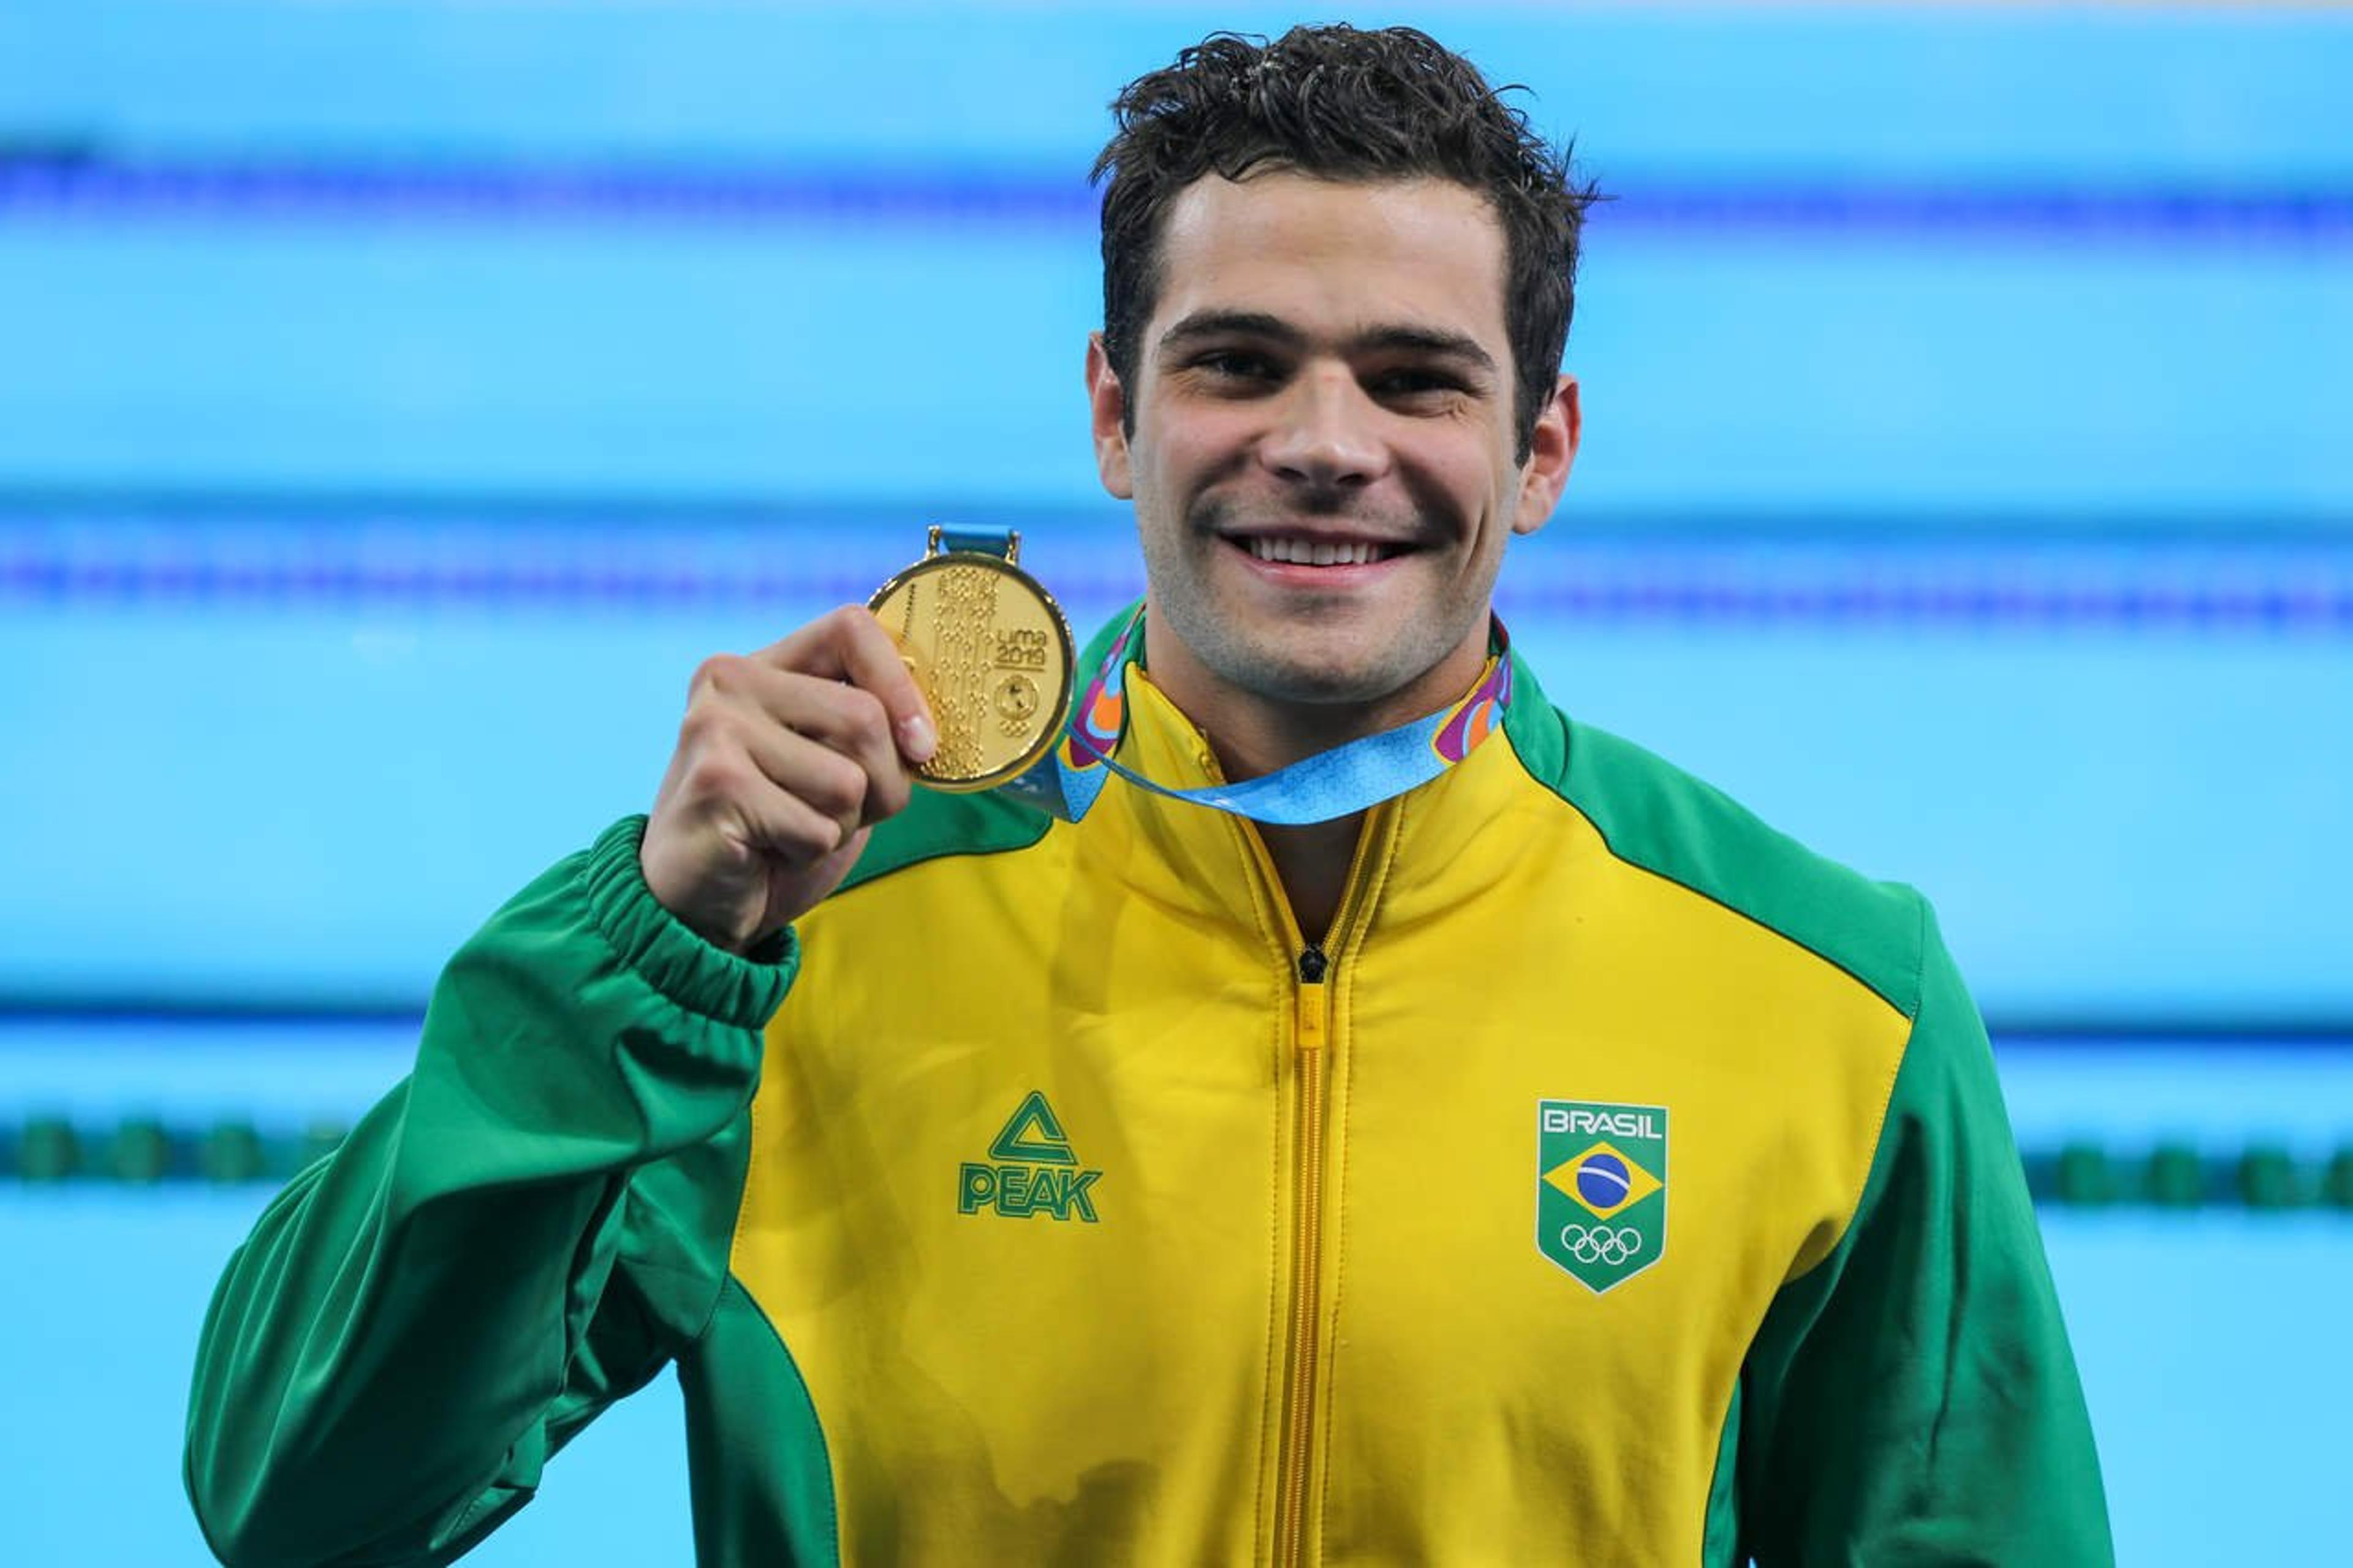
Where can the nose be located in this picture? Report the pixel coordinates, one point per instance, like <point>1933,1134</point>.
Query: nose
<point>1325,432</point>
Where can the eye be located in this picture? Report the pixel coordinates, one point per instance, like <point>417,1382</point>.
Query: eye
<point>1237,365</point>
<point>1415,382</point>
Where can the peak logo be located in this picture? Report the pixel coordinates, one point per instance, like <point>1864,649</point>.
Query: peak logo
<point>1032,1169</point>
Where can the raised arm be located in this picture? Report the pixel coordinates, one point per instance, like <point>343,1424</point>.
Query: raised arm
<point>418,1320</point>
<point>538,1217</point>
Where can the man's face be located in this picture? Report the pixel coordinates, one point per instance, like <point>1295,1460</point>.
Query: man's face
<point>1322,456</point>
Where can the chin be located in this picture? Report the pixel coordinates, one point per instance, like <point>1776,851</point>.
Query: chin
<point>1307,679</point>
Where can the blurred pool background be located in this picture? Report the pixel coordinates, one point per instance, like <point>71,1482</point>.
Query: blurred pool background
<point>396,401</point>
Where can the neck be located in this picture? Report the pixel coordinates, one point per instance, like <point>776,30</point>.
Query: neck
<point>1252,734</point>
<point>1312,862</point>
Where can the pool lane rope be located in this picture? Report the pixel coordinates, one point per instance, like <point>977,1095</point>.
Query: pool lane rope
<point>52,1150</point>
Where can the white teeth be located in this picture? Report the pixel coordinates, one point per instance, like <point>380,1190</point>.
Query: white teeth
<point>1316,552</point>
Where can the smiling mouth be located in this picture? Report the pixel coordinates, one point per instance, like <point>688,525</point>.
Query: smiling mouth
<point>1318,551</point>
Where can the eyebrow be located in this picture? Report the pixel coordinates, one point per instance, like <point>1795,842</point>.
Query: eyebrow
<point>1393,336</point>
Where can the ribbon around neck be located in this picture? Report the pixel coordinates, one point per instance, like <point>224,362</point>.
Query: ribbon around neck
<point>1338,782</point>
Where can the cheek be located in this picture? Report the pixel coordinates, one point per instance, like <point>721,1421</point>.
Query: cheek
<point>1483,495</point>
<point>1466,460</point>
<point>1197,439</point>
<point>1189,461</point>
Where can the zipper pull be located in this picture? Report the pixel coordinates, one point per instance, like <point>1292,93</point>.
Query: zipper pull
<point>1312,965</point>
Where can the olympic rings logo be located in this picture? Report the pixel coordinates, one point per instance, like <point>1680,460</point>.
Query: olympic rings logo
<point>1600,1244</point>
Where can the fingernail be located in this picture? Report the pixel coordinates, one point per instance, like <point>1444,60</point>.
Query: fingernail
<point>917,739</point>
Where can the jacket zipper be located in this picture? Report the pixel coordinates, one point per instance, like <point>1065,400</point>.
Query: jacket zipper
<point>1311,969</point>
<point>1307,1255</point>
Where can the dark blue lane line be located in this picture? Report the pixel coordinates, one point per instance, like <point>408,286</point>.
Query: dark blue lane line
<point>23,1015</point>
<point>671,513</point>
<point>2025,1034</point>
<point>39,185</point>
<point>2280,217</point>
<point>756,198</point>
<point>373,556</point>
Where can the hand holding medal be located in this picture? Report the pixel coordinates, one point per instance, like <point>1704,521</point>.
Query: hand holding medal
<point>785,759</point>
<point>957,676</point>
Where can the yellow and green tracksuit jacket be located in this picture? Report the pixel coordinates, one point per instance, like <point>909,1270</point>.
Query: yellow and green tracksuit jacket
<point>1618,1182</point>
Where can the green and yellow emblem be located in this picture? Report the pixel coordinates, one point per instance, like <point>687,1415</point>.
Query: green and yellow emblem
<point>1601,1188</point>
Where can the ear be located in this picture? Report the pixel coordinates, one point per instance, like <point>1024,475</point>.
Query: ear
<point>1107,409</point>
<point>1550,455</point>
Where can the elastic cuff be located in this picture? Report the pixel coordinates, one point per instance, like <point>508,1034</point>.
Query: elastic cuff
<point>741,990</point>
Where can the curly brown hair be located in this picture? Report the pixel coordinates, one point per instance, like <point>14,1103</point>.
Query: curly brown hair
<point>1342,103</point>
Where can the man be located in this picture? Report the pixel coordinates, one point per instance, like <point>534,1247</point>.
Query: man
<point>1548,1163</point>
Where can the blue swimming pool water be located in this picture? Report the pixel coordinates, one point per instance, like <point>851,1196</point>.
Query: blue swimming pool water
<point>1964,488</point>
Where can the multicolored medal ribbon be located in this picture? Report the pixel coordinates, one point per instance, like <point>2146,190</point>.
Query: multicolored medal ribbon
<point>1067,781</point>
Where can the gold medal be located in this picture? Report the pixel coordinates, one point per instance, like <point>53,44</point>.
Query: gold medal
<point>992,654</point>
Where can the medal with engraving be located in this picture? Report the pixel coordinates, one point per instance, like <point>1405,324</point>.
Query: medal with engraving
<point>991,652</point>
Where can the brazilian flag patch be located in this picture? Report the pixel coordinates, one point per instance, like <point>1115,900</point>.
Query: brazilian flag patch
<point>1601,1188</point>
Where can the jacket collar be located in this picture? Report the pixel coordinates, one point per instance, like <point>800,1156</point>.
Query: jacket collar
<point>1446,841</point>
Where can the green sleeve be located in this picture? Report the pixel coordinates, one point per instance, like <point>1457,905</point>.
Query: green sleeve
<point>522,1232</point>
<point>1913,1398</point>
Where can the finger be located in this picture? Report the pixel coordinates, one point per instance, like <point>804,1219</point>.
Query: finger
<point>849,644</point>
<point>845,721</point>
<point>775,819</point>
<point>737,699</point>
<point>742,705</point>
